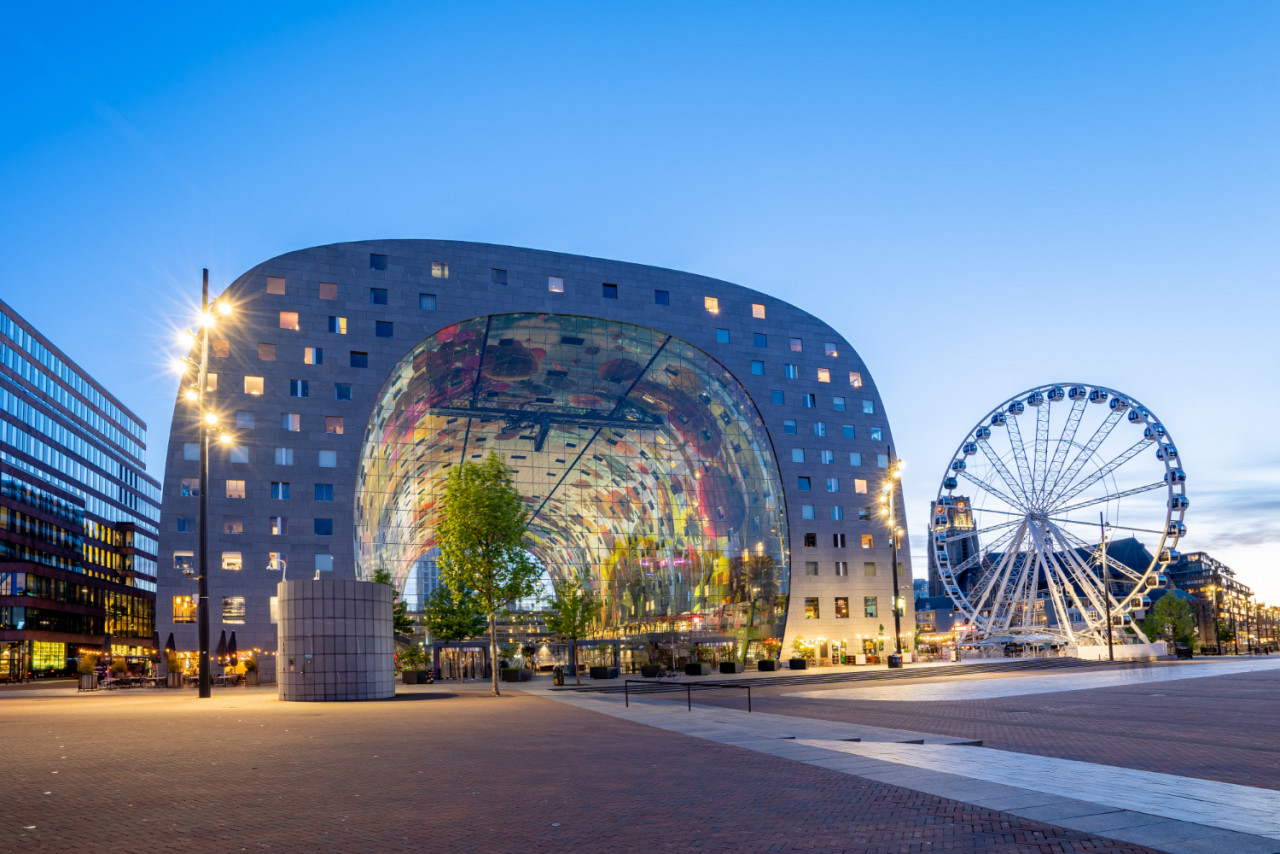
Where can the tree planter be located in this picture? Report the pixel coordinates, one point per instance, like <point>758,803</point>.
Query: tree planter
<point>767,664</point>
<point>515,674</point>
<point>697,668</point>
<point>604,672</point>
<point>413,677</point>
<point>251,678</point>
<point>732,667</point>
<point>799,664</point>
<point>88,681</point>
<point>173,680</point>
<point>650,670</point>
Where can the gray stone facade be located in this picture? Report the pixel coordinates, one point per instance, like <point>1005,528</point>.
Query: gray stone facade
<point>430,285</point>
<point>335,641</point>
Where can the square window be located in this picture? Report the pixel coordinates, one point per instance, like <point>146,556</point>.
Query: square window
<point>796,345</point>
<point>837,403</point>
<point>775,397</point>
<point>189,487</point>
<point>498,277</point>
<point>819,428</point>
<point>253,385</point>
<point>191,451</point>
<point>868,541</point>
<point>439,270</point>
<point>235,489</point>
<point>869,606</point>
<point>377,262</point>
<point>378,296</point>
<point>824,375</point>
<point>279,491</point>
<point>555,284</point>
<point>855,458</point>
<point>186,524</point>
<point>757,311</point>
<point>757,368</point>
<point>289,320</point>
<point>838,542</point>
<point>790,371</point>
<point>810,401</point>
<point>788,426</point>
<point>221,347</point>
<point>291,421</point>
<point>797,455</point>
<point>864,514</point>
<point>842,607</point>
<point>868,407</point>
<point>860,486</point>
<point>267,352</point>
<point>275,285</point>
<point>810,567</point>
<point>324,527</point>
<point>324,492</point>
<point>299,388</point>
<point>278,525</point>
<point>722,336</point>
<point>806,511</point>
<point>877,435</point>
<point>828,457</point>
<point>277,561</point>
<point>238,454</point>
<point>233,610</point>
<point>810,541</point>
<point>711,304</point>
<point>333,424</point>
<point>245,420</point>
<point>338,325</point>
<point>869,568</point>
<point>233,524</point>
<point>427,302</point>
<point>284,456</point>
<point>760,339</point>
<point>833,484</point>
<point>324,563</point>
<point>328,290</point>
<point>210,382</point>
<point>662,297</point>
<point>184,609</point>
<point>312,356</point>
<point>384,328</point>
<point>882,461</point>
<point>829,348</point>
<point>803,484</point>
<point>328,459</point>
<point>855,379</point>
<point>359,359</point>
<point>847,431</point>
<point>810,608</point>
<point>342,391</point>
<point>184,561</point>
<point>609,291</point>
<point>232,561</point>
<point>837,514</point>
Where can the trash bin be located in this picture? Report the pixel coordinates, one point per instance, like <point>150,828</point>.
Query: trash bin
<point>895,660</point>
<point>557,675</point>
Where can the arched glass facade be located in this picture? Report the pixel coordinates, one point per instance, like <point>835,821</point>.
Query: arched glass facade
<point>646,469</point>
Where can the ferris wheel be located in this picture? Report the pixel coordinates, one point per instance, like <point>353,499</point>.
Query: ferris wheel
<point>1030,534</point>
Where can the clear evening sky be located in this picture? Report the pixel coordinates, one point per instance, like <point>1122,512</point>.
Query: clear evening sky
<point>982,197</point>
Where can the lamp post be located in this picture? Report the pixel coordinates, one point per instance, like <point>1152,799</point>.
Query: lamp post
<point>889,509</point>
<point>1106,588</point>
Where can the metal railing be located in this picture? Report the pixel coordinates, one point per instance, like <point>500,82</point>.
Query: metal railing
<point>671,687</point>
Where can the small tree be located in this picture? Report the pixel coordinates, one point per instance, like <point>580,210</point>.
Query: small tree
<point>1172,617</point>
<point>481,539</point>
<point>401,623</point>
<point>448,617</point>
<point>570,617</point>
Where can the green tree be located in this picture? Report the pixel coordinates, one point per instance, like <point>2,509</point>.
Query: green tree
<point>1172,617</point>
<point>570,617</point>
<point>401,623</point>
<point>1226,634</point>
<point>448,617</point>
<point>481,539</point>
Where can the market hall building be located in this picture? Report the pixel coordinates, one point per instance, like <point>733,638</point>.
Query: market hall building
<point>707,458</point>
<point>78,514</point>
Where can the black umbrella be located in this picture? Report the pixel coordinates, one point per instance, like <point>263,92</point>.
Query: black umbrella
<point>106,645</point>
<point>155,647</point>
<point>222,646</point>
<point>231,648</point>
<point>169,645</point>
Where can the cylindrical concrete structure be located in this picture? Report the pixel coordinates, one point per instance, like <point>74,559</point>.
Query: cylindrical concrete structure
<point>335,640</point>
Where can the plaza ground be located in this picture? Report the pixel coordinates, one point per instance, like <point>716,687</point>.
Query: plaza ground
<point>446,768</point>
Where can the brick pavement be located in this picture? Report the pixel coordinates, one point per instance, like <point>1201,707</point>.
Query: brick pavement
<point>1221,728</point>
<point>441,771</point>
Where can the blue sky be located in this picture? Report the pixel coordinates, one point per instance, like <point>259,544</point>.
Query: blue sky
<point>982,197</point>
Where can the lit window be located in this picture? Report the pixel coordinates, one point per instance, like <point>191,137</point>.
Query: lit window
<point>824,375</point>
<point>342,391</point>
<point>830,349</point>
<point>312,356</point>
<point>757,311</point>
<point>324,492</point>
<point>555,284</point>
<point>869,568</point>
<point>328,459</point>
<point>868,407</point>
<point>810,567</point>
<point>837,403</point>
<point>324,563</point>
<point>439,270</point>
<point>328,290</point>
<point>324,527</point>
<point>855,458</point>
<point>802,484</point>
<point>788,426</point>
<point>233,609</point>
<point>796,345</point>
<point>232,561</point>
<point>662,297</point>
<point>711,304</point>
<point>191,451</point>
<point>427,302</point>
<point>722,336</point>
<point>277,561</point>
<point>299,388</point>
<point>184,609</point>
<point>837,514</point>
<point>359,359</point>
<point>289,320</point>
<point>776,398</point>
<point>877,435</point>
<point>833,484</point>
<point>333,424</point>
<point>338,325</point>
<point>759,339</point>
<point>384,328</point>
<point>253,385</point>
<point>810,401</point>
<point>377,262</point>
<point>790,371</point>
<point>238,454</point>
<point>855,379</point>
<point>244,420</point>
<point>842,607</point>
<point>184,561</point>
<point>190,486</point>
<point>811,608</point>
<point>235,489</point>
<point>377,296</point>
<point>797,455</point>
<point>267,352</point>
<point>882,461</point>
<point>609,291</point>
<point>221,347</point>
<point>233,524</point>
<point>278,525</point>
<point>828,457</point>
<point>806,511</point>
<point>210,382</point>
<point>273,609</point>
<point>275,285</point>
<point>757,368</point>
<point>869,606</point>
<point>859,486</point>
<point>819,428</point>
<point>284,456</point>
<point>291,421</point>
<point>279,491</point>
<point>868,541</point>
<point>498,277</point>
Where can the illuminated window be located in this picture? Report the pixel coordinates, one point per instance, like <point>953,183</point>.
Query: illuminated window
<point>842,607</point>
<point>275,285</point>
<point>855,379</point>
<point>868,407</point>
<point>299,388</point>
<point>859,485</point>
<point>289,320</point>
<point>377,262</point>
<point>796,345</point>
<point>190,486</point>
<point>830,349</point>
<point>184,609</point>
<point>790,371</point>
<point>797,455</point>
<point>868,541</point>
<point>811,608</point>
<point>253,385</point>
<point>333,424</point>
<point>427,302</point>
<point>233,524</point>
<point>210,382</point>
<point>869,568</point>
<point>439,270</point>
<point>869,606</point>
<point>233,609</point>
<point>810,567</point>
<point>609,291</point>
<point>328,459</point>
<point>312,356</point>
<point>377,296</point>
<point>338,325</point>
<point>328,290</point>
<point>824,375</point>
<point>232,561</point>
<point>291,421</point>
<point>244,420</point>
<point>278,525</point>
<point>279,490</point>
<point>711,304</point>
<point>184,561</point>
<point>267,352</point>
<point>221,347</point>
<point>555,284</point>
<point>277,561</point>
<point>757,311</point>
<point>235,489</point>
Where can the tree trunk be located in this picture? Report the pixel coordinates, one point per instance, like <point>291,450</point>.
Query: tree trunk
<point>577,671</point>
<point>493,649</point>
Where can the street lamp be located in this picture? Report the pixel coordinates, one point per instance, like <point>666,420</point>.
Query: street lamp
<point>207,420</point>
<point>889,509</point>
<point>1106,587</point>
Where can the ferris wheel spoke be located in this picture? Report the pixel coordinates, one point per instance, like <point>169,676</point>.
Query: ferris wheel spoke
<point>1086,453</point>
<point>986,487</point>
<point>1065,441</point>
<point>1079,573</point>
<point>951,573</point>
<point>1095,554</point>
<point>1111,496</point>
<point>1106,469</point>
<point>1094,525</point>
<point>1039,470</point>
<point>996,578</point>
<point>1026,481</point>
<point>977,532</point>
